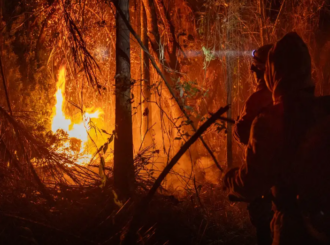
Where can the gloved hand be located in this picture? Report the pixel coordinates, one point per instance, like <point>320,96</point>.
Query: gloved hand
<point>227,183</point>
<point>228,178</point>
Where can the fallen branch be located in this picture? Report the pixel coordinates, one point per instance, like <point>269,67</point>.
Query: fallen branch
<point>142,207</point>
<point>153,62</point>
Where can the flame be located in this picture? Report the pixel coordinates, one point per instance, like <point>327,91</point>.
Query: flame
<point>75,128</point>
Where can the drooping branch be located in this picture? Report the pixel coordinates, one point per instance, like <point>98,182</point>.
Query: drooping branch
<point>40,185</point>
<point>81,55</point>
<point>9,157</point>
<point>42,34</point>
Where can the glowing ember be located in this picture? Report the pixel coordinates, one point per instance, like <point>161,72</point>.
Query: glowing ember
<point>78,130</point>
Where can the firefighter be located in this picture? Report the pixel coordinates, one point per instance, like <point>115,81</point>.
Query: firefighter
<point>274,139</point>
<point>259,100</point>
<point>260,210</point>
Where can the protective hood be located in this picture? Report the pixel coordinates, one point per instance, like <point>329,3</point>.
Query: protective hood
<point>288,67</point>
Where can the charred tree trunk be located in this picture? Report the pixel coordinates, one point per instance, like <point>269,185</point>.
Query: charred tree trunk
<point>123,143</point>
<point>145,76</point>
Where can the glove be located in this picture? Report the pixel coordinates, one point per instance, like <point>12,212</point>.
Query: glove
<point>228,178</point>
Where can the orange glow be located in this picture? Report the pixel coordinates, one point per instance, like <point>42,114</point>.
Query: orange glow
<point>77,128</point>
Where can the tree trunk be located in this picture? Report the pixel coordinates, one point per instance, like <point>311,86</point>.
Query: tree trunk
<point>261,12</point>
<point>154,39</point>
<point>152,29</point>
<point>145,76</point>
<point>169,30</point>
<point>229,63</point>
<point>229,113</point>
<point>123,144</point>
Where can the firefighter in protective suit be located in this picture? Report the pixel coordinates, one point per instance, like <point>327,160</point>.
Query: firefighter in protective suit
<point>260,210</point>
<point>258,101</point>
<point>274,141</point>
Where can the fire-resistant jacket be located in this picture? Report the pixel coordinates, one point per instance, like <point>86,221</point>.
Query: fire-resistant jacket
<point>274,138</point>
<point>257,102</point>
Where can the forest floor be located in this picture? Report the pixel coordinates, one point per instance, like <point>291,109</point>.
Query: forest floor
<point>91,216</point>
<point>89,212</point>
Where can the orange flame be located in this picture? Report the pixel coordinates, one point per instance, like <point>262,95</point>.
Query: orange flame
<point>74,129</point>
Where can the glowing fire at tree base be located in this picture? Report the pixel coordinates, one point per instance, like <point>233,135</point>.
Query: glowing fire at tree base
<point>75,129</point>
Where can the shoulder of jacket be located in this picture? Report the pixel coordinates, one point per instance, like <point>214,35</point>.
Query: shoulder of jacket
<point>259,95</point>
<point>269,116</point>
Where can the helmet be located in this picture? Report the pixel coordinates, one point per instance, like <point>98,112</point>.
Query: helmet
<point>260,57</point>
